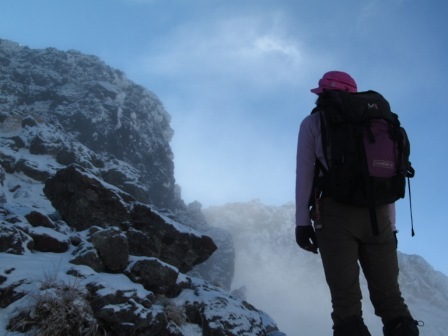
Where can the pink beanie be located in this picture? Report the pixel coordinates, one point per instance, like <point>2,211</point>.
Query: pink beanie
<point>336,80</point>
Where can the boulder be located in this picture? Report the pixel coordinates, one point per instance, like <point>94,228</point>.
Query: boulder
<point>156,276</point>
<point>177,244</point>
<point>13,240</point>
<point>123,313</point>
<point>88,256</point>
<point>36,218</point>
<point>48,240</point>
<point>85,201</point>
<point>113,248</point>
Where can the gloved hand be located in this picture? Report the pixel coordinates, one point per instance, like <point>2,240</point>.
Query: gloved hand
<point>396,238</point>
<point>306,238</point>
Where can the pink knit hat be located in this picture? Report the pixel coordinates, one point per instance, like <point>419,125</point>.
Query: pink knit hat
<point>336,80</point>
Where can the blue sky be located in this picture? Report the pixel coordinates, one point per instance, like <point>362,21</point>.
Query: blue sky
<point>235,77</point>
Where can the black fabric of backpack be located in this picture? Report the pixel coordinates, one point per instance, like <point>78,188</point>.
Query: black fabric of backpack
<point>358,131</point>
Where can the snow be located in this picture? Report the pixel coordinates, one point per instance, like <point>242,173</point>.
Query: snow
<point>48,232</point>
<point>39,268</point>
<point>134,259</point>
<point>191,329</point>
<point>27,197</point>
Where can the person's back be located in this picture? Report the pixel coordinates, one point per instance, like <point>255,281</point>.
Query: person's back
<point>345,239</point>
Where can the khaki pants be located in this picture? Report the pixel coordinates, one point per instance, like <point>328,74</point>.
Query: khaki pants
<point>345,242</point>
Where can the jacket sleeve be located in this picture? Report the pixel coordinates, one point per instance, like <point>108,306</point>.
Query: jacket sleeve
<point>307,145</point>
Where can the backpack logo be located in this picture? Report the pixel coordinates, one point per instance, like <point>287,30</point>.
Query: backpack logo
<point>383,164</point>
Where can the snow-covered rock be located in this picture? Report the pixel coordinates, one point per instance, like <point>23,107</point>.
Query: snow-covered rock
<point>93,104</point>
<point>93,229</point>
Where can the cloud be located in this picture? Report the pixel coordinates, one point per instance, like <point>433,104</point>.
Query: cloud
<point>227,81</point>
<point>232,158</point>
<point>248,49</point>
<point>368,11</point>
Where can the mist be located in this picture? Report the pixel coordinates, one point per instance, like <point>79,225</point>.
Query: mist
<point>288,283</point>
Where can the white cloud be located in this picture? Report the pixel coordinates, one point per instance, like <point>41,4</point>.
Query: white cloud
<point>225,81</point>
<point>232,158</point>
<point>271,44</point>
<point>246,49</point>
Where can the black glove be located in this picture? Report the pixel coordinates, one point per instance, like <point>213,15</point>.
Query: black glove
<point>306,238</point>
<point>396,238</point>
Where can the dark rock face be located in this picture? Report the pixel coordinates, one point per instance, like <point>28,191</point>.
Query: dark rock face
<point>96,104</point>
<point>84,201</point>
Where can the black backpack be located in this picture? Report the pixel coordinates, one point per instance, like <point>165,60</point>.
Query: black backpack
<point>365,149</point>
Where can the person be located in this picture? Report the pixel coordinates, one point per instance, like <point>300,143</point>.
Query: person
<point>345,239</point>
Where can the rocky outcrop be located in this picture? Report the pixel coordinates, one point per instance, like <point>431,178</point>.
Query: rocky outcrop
<point>98,106</point>
<point>93,230</point>
<point>83,201</point>
<point>150,293</point>
<point>37,141</point>
<point>148,296</point>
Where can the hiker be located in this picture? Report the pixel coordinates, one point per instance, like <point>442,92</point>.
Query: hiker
<point>343,233</point>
